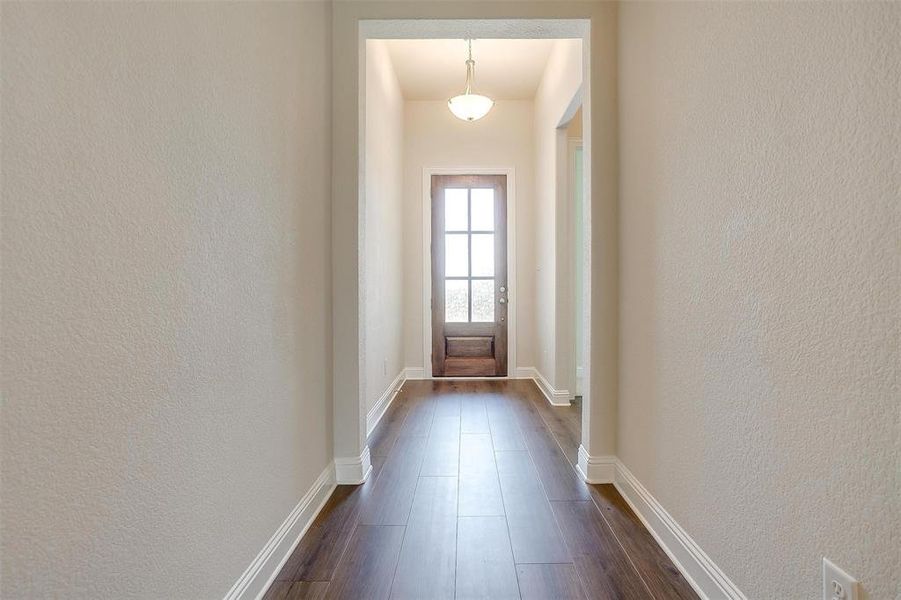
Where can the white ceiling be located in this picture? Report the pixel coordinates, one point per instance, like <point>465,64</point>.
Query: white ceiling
<point>436,69</point>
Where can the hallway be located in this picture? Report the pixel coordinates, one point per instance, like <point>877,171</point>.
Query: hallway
<point>473,495</point>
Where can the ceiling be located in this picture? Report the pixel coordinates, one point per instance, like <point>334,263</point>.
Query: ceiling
<point>436,69</point>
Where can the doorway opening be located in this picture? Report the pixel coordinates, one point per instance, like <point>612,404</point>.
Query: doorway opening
<point>439,234</point>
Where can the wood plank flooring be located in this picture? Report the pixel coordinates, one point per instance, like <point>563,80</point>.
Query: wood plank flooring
<point>473,495</point>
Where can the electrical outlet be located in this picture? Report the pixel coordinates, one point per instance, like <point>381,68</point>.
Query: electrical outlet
<point>837,585</point>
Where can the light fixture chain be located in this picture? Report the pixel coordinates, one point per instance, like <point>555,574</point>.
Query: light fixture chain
<point>470,68</point>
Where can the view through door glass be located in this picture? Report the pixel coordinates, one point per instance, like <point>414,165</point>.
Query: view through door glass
<point>469,269</point>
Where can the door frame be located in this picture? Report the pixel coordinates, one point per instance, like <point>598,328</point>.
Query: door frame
<point>595,24</point>
<point>512,288</point>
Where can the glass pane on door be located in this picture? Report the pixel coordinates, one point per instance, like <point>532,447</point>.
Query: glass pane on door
<point>456,210</point>
<point>483,255</point>
<point>482,300</point>
<point>456,255</point>
<point>482,209</point>
<point>456,300</point>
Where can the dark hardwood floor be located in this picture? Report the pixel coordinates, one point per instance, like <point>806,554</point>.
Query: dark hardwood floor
<point>473,495</point>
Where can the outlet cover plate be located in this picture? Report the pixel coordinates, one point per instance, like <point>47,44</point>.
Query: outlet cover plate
<point>837,585</point>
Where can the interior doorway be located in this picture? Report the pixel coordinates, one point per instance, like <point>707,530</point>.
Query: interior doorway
<point>402,98</point>
<point>469,275</point>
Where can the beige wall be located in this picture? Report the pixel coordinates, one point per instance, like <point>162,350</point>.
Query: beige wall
<point>760,283</point>
<point>165,276</point>
<point>433,137</point>
<point>554,343</point>
<point>383,339</point>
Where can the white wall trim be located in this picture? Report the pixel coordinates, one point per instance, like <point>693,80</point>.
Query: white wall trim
<point>707,579</point>
<point>257,578</point>
<point>595,469</point>
<point>554,396</point>
<point>427,173</point>
<point>353,470</point>
<point>376,413</point>
<point>518,28</point>
<point>581,324</point>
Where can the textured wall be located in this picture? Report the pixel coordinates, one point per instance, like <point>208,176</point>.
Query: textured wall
<point>383,339</point>
<point>433,137</point>
<point>760,283</point>
<point>165,280</point>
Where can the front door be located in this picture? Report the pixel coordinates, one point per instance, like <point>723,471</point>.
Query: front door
<point>469,275</point>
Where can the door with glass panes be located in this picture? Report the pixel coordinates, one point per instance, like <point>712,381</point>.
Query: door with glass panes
<point>469,276</point>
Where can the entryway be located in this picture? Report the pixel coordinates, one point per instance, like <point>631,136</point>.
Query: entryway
<point>449,313</point>
<point>469,275</point>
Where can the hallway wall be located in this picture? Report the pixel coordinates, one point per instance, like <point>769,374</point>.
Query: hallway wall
<point>166,281</point>
<point>760,275</point>
<point>383,340</point>
<point>433,137</point>
<point>554,341</point>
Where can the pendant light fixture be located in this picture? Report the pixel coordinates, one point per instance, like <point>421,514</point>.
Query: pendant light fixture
<point>468,106</point>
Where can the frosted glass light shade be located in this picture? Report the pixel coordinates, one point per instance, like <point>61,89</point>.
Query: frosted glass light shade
<point>470,107</point>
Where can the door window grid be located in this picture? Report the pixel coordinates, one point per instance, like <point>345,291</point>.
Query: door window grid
<point>453,196</point>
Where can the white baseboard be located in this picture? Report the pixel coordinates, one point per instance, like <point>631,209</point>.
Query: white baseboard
<point>378,410</point>
<point>257,578</point>
<point>353,470</point>
<point>707,579</point>
<point>596,469</point>
<point>555,397</point>
<point>414,373</point>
